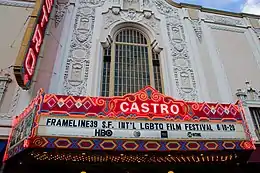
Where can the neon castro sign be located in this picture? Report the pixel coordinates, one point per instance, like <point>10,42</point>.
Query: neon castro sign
<point>152,107</point>
<point>26,60</point>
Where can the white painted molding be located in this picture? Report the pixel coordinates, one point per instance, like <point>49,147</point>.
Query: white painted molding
<point>254,44</point>
<point>56,85</point>
<point>218,67</point>
<point>224,20</point>
<point>17,3</point>
<point>194,45</point>
<point>250,122</point>
<point>4,131</point>
<point>227,28</point>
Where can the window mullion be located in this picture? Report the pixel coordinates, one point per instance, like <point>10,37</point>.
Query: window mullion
<point>112,71</point>
<point>152,83</point>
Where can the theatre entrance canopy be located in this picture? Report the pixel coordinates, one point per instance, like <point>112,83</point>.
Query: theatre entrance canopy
<point>142,127</point>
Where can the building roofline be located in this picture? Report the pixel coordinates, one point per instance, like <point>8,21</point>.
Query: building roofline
<point>211,10</point>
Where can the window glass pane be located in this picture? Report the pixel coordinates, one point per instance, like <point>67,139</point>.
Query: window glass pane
<point>255,113</point>
<point>106,72</point>
<point>131,64</point>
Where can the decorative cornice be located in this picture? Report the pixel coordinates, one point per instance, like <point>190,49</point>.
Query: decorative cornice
<point>17,3</point>
<point>196,24</point>
<point>248,93</point>
<point>224,20</point>
<point>209,10</point>
<point>226,28</point>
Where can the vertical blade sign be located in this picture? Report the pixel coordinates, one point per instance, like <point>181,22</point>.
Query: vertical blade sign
<point>26,61</point>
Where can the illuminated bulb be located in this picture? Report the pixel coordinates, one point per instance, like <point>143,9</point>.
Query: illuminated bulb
<point>83,172</point>
<point>170,172</point>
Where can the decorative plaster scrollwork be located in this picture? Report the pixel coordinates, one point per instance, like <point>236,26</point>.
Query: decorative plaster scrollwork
<point>146,18</point>
<point>183,72</point>
<point>196,24</point>
<point>225,28</point>
<point>131,4</point>
<point>14,102</point>
<point>60,12</point>
<point>77,65</point>
<point>147,4</point>
<point>110,18</point>
<point>153,23</point>
<point>248,93</point>
<point>224,20</point>
<point>115,1</point>
<point>91,3</point>
<point>131,15</point>
<point>4,80</point>
<point>257,31</point>
<point>164,8</point>
<point>17,3</point>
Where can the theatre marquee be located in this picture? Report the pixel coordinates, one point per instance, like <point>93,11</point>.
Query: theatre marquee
<point>142,121</point>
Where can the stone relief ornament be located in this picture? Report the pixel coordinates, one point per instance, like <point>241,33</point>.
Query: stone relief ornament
<point>110,18</point>
<point>224,20</point>
<point>183,72</point>
<point>131,15</point>
<point>230,29</point>
<point>257,31</point>
<point>131,4</point>
<point>60,12</point>
<point>147,4</point>
<point>77,65</point>
<point>91,3</point>
<point>196,24</point>
<point>147,18</point>
<point>153,23</point>
<point>14,102</point>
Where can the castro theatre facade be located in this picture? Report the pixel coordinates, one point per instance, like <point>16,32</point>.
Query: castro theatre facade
<point>134,86</point>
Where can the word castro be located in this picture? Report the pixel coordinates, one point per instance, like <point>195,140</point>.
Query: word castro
<point>149,108</point>
<point>36,42</point>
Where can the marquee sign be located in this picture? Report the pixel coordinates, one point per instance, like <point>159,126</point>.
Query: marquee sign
<point>146,114</point>
<point>27,58</point>
<point>143,121</point>
<point>144,130</point>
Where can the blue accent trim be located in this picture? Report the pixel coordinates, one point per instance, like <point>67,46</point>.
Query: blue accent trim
<point>2,145</point>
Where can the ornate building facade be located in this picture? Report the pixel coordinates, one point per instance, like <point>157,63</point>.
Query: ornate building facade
<point>114,47</point>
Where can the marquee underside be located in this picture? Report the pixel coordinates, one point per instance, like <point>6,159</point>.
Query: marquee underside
<point>47,156</point>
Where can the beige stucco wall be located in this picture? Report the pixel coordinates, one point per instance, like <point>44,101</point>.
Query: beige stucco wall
<point>13,24</point>
<point>237,56</point>
<point>49,50</point>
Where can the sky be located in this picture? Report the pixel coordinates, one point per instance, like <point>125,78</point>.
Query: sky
<point>245,6</point>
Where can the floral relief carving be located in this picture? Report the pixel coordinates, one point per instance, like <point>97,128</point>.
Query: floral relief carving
<point>147,4</point>
<point>131,15</point>
<point>109,18</point>
<point>224,28</point>
<point>182,67</point>
<point>257,31</point>
<point>60,12</point>
<point>224,20</point>
<point>153,22</point>
<point>196,24</point>
<point>131,4</point>
<point>77,65</point>
<point>14,102</point>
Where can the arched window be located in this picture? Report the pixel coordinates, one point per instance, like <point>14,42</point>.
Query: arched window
<point>130,64</point>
